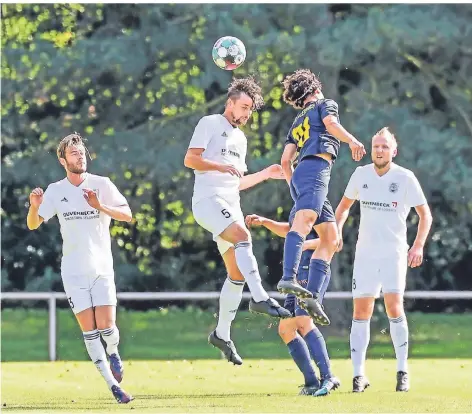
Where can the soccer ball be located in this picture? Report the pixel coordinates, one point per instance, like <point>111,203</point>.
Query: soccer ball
<point>229,53</point>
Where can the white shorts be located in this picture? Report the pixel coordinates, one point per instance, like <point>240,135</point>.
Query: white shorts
<point>85,292</point>
<point>371,274</point>
<point>216,214</point>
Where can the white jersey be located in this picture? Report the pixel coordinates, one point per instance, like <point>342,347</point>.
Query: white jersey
<point>86,249</point>
<point>385,204</point>
<point>224,144</point>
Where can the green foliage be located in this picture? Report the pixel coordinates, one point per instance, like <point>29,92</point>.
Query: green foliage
<point>135,79</point>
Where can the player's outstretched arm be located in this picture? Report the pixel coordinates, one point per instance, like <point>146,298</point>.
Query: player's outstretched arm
<point>415,255</point>
<point>334,127</point>
<point>194,160</point>
<point>277,227</point>
<point>34,220</point>
<point>289,154</point>
<point>273,172</point>
<point>341,214</point>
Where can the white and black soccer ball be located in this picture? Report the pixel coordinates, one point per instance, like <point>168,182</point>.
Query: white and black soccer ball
<point>229,53</point>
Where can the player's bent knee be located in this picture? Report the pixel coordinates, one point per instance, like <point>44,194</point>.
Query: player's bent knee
<point>304,324</point>
<point>308,217</point>
<point>363,308</point>
<point>287,329</point>
<point>236,233</point>
<point>105,316</point>
<point>395,311</point>
<point>394,305</point>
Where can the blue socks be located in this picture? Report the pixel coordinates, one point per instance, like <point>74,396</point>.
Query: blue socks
<point>293,249</point>
<point>317,346</point>
<point>300,354</point>
<point>319,269</point>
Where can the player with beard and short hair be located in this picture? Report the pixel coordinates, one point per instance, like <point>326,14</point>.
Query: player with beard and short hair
<point>217,154</point>
<point>386,193</point>
<point>85,204</point>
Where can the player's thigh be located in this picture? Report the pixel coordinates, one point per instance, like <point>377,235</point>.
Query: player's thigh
<point>103,291</point>
<point>363,308</point>
<point>86,320</point>
<point>78,293</point>
<point>366,277</point>
<point>229,258</point>
<point>311,181</point>
<point>215,214</point>
<point>393,273</point>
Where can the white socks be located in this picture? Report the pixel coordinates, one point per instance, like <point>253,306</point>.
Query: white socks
<point>360,337</point>
<point>359,341</point>
<point>399,334</point>
<point>230,299</point>
<point>111,336</point>
<point>97,355</point>
<point>247,265</point>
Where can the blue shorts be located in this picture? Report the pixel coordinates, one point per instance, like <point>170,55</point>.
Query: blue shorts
<point>291,301</point>
<point>309,188</point>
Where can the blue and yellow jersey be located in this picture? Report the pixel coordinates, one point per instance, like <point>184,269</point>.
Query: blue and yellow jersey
<point>309,133</point>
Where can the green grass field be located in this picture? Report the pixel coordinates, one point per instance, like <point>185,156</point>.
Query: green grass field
<point>170,334</point>
<point>171,368</point>
<point>216,386</point>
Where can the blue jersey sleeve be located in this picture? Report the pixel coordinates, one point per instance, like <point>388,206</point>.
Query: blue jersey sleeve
<point>329,107</point>
<point>290,139</point>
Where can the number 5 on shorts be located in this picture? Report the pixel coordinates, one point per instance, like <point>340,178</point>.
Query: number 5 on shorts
<point>71,303</point>
<point>226,213</point>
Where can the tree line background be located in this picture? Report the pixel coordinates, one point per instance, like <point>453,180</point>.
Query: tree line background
<point>135,79</point>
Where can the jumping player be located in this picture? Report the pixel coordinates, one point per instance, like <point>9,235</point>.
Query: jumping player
<point>217,154</point>
<point>315,137</point>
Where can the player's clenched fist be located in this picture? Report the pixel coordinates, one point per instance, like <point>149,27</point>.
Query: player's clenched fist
<point>253,220</point>
<point>36,197</point>
<point>231,169</point>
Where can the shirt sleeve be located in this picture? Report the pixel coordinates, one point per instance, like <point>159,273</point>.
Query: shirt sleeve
<point>290,139</point>
<point>414,193</point>
<point>201,135</point>
<point>329,107</point>
<point>352,189</point>
<point>47,210</point>
<point>112,196</point>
